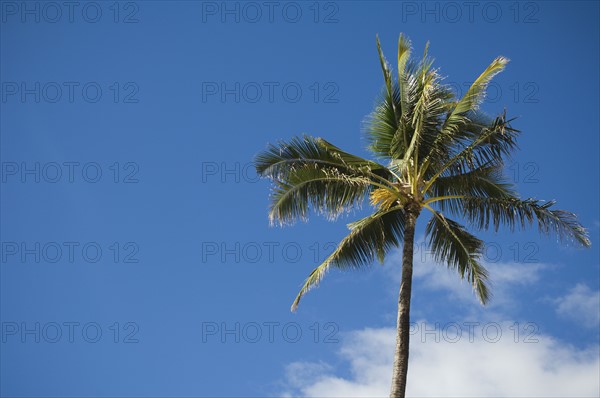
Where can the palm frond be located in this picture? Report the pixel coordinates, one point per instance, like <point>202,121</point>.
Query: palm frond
<point>369,238</point>
<point>424,105</point>
<point>326,190</point>
<point>464,115</point>
<point>512,211</point>
<point>485,181</point>
<point>381,125</point>
<point>387,73</point>
<point>451,243</point>
<point>356,162</point>
<point>474,96</point>
<point>404,50</point>
<point>278,160</point>
<point>489,147</point>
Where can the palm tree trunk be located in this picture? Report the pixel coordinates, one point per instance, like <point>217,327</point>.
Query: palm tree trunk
<point>403,325</point>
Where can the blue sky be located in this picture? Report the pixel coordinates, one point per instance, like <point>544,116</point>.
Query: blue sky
<point>137,258</point>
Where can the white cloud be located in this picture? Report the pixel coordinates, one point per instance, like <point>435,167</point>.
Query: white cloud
<point>533,366</point>
<point>548,368</point>
<point>504,277</point>
<point>581,304</point>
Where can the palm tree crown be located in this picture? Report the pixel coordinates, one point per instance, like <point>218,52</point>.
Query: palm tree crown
<point>434,152</point>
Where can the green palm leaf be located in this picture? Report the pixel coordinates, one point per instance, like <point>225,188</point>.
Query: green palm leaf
<point>489,147</point>
<point>404,50</point>
<point>369,238</point>
<point>278,160</point>
<point>474,96</point>
<point>326,190</point>
<point>451,243</point>
<point>485,181</point>
<point>382,124</point>
<point>511,211</point>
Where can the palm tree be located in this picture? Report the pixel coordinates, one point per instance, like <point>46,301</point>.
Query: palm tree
<point>441,154</point>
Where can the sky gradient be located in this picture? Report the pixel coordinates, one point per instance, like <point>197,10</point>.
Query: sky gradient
<point>136,253</point>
